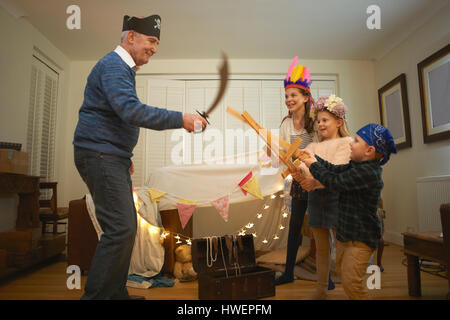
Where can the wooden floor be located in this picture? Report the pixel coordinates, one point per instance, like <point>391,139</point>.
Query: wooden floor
<point>48,281</point>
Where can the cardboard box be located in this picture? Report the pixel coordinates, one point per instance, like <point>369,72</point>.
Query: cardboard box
<point>12,161</point>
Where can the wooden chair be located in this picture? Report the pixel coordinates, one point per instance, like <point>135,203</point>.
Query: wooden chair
<point>49,213</point>
<point>82,238</point>
<point>445,222</point>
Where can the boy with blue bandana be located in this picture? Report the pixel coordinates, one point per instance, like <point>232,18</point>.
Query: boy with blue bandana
<point>359,184</point>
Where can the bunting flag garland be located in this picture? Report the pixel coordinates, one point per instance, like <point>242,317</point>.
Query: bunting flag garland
<point>155,195</point>
<point>249,228</point>
<point>244,181</point>
<point>222,205</point>
<point>252,186</point>
<point>187,201</point>
<point>185,210</point>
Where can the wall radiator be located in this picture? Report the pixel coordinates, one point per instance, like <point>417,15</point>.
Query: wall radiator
<point>431,193</point>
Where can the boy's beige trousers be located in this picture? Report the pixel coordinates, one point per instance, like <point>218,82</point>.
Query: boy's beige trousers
<point>352,259</point>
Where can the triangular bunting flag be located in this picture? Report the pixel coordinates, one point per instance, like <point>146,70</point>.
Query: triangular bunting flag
<point>252,186</point>
<point>155,195</point>
<point>185,210</point>
<point>245,180</point>
<point>222,206</point>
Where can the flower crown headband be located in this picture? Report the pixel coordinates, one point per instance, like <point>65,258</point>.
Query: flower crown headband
<point>332,104</point>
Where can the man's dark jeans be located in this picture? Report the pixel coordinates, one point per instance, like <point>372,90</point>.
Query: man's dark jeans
<point>109,182</point>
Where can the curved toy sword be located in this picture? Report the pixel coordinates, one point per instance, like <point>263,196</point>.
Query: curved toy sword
<point>223,86</point>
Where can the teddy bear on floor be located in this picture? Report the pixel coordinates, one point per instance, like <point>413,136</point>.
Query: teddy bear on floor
<point>183,269</point>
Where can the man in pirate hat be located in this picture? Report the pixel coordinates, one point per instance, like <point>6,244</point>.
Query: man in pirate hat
<point>106,133</point>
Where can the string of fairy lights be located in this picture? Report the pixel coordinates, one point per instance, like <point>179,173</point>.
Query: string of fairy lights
<point>249,228</point>
<point>259,215</point>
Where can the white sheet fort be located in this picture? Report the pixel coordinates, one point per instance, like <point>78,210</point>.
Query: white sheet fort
<point>204,184</point>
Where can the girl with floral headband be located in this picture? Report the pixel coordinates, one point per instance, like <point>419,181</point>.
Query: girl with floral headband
<point>297,123</point>
<point>329,115</point>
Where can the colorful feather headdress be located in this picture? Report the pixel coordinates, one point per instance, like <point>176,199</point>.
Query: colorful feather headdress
<point>297,76</point>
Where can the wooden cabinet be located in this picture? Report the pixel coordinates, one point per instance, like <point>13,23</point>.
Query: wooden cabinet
<point>25,246</point>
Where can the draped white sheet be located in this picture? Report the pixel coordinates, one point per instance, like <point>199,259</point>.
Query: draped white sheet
<point>207,182</point>
<point>204,184</point>
<point>147,257</point>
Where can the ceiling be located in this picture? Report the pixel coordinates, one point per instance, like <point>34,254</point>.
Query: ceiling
<point>244,29</point>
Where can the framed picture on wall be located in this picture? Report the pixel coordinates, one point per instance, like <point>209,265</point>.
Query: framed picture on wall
<point>394,111</point>
<point>434,84</point>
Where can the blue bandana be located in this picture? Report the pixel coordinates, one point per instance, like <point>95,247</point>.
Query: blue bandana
<point>380,138</point>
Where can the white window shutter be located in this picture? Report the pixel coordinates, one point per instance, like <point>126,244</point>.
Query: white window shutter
<point>273,106</point>
<point>175,101</point>
<point>155,140</point>
<point>153,147</point>
<point>48,128</point>
<point>234,98</point>
<point>234,142</point>
<point>42,120</point>
<point>33,115</point>
<point>138,158</point>
<point>321,88</point>
<point>199,97</point>
<point>252,104</point>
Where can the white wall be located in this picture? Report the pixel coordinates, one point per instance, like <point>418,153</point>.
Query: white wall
<point>19,39</point>
<point>422,160</point>
<point>72,186</point>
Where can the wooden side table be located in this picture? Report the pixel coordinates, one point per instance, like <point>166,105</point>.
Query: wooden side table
<point>428,245</point>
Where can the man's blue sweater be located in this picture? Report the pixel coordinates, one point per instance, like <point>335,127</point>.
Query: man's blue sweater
<point>111,114</point>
